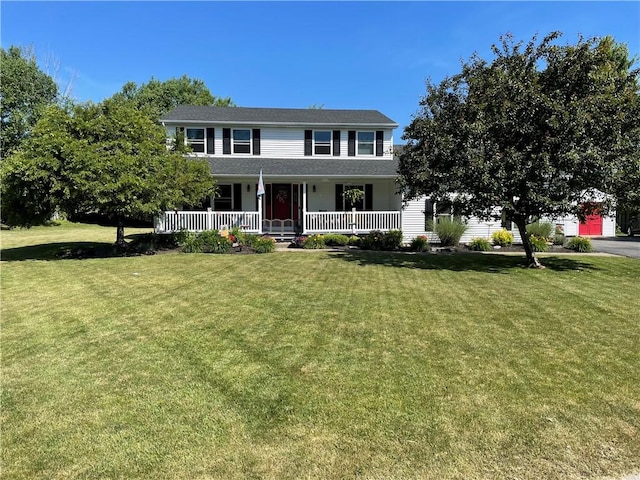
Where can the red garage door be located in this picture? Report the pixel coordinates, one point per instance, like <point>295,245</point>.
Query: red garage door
<point>591,226</point>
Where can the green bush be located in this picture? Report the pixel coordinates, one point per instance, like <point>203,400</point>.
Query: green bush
<point>213,242</point>
<point>541,230</point>
<point>419,244</point>
<point>580,244</point>
<point>539,244</point>
<point>376,240</point>
<point>190,242</point>
<point>313,242</point>
<point>354,241</point>
<point>239,235</point>
<point>449,231</point>
<point>480,244</point>
<point>336,240</point>
<point>558,239</point>
<point>503,238</point>
<point>392,240</point>
<point>151,242</point>
<point>372,240</point>
<point>263,244</point>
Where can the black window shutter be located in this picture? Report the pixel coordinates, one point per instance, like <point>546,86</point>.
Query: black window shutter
<point>256,141</point>
<point>336,143</point>
<point>368,196</point>
<point>379,142</point>
<point>352,143</point>
<point>237,197</point>
<point>308,135</point>
<point>211,135</point>
<point>339,199</point>
<point>226,141</point>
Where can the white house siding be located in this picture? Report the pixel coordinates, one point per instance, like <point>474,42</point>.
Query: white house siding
<point>288,142</point>
<point>278,142</point>
<point>413,222</point>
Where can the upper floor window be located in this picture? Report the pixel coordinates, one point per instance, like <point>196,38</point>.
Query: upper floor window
<point>241,140</point>
<point>366,141</point>
<point>322,142</point>
<point>195,139</point>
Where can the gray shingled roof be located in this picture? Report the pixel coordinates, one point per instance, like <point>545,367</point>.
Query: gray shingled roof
<point>283,116</point>
<point>227,166</point>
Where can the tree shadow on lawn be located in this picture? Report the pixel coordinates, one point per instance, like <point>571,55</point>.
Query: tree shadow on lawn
<point>458,262</point>
<point>62,251</point>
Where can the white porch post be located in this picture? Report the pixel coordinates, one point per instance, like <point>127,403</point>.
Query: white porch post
<point>304,207</point>
<point>353,220</point>
<point>208,219</point>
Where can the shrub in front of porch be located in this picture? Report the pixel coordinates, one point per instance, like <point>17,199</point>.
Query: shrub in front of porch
<point>190,242</point>
<point>313,242</point>
<point>214,242</point>
<point>335,240</point>
<point>377,240</point>
<point>260,244</point>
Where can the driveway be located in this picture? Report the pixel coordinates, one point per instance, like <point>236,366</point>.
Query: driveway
<point>626,246</point>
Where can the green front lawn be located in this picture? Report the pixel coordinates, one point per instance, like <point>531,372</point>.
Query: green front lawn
<point>316,365</point>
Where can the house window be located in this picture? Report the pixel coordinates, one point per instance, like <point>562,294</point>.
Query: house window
<point>322,142</point>
<point>195,139</point>
<point>241,141</point>
<point>366,141</point>
<point>223,201</point>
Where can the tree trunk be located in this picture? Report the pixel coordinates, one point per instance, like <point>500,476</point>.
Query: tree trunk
<point>532,260</point>
<point>121,244</point>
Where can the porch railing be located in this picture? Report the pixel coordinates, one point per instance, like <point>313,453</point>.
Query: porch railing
<point>354,222</point>
<point>351,222</point>
<point>174,221</point>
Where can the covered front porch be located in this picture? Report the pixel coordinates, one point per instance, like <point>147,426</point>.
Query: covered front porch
<point>288,208</point>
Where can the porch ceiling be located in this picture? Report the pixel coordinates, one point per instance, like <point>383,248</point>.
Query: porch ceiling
<point>307,167</point>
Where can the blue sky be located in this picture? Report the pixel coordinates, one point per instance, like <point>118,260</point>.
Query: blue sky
<point>370,55</point>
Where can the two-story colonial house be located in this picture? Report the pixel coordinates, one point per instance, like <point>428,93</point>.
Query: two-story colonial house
<point>309,158</point>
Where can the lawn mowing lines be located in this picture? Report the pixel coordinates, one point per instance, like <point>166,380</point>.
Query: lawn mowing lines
<point>387,368</point>
<point>145,422</point>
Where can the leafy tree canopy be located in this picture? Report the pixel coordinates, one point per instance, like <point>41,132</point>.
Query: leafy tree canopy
<point>540,131</point>
<point>108,158</point>
<point>157,98</point>
<point>25,91</point>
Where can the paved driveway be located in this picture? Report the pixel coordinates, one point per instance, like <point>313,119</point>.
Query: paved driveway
<point>627,246</point>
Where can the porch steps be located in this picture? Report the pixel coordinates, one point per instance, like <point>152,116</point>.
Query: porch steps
<point>285,238</point>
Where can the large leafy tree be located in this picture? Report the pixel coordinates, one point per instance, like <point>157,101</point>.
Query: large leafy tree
<point>157,98</point>
<point>24,91</point>
<point>542,130</point>
<point>107,158</point>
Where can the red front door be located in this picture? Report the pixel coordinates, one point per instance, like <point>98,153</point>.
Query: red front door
<point>281,201</point>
